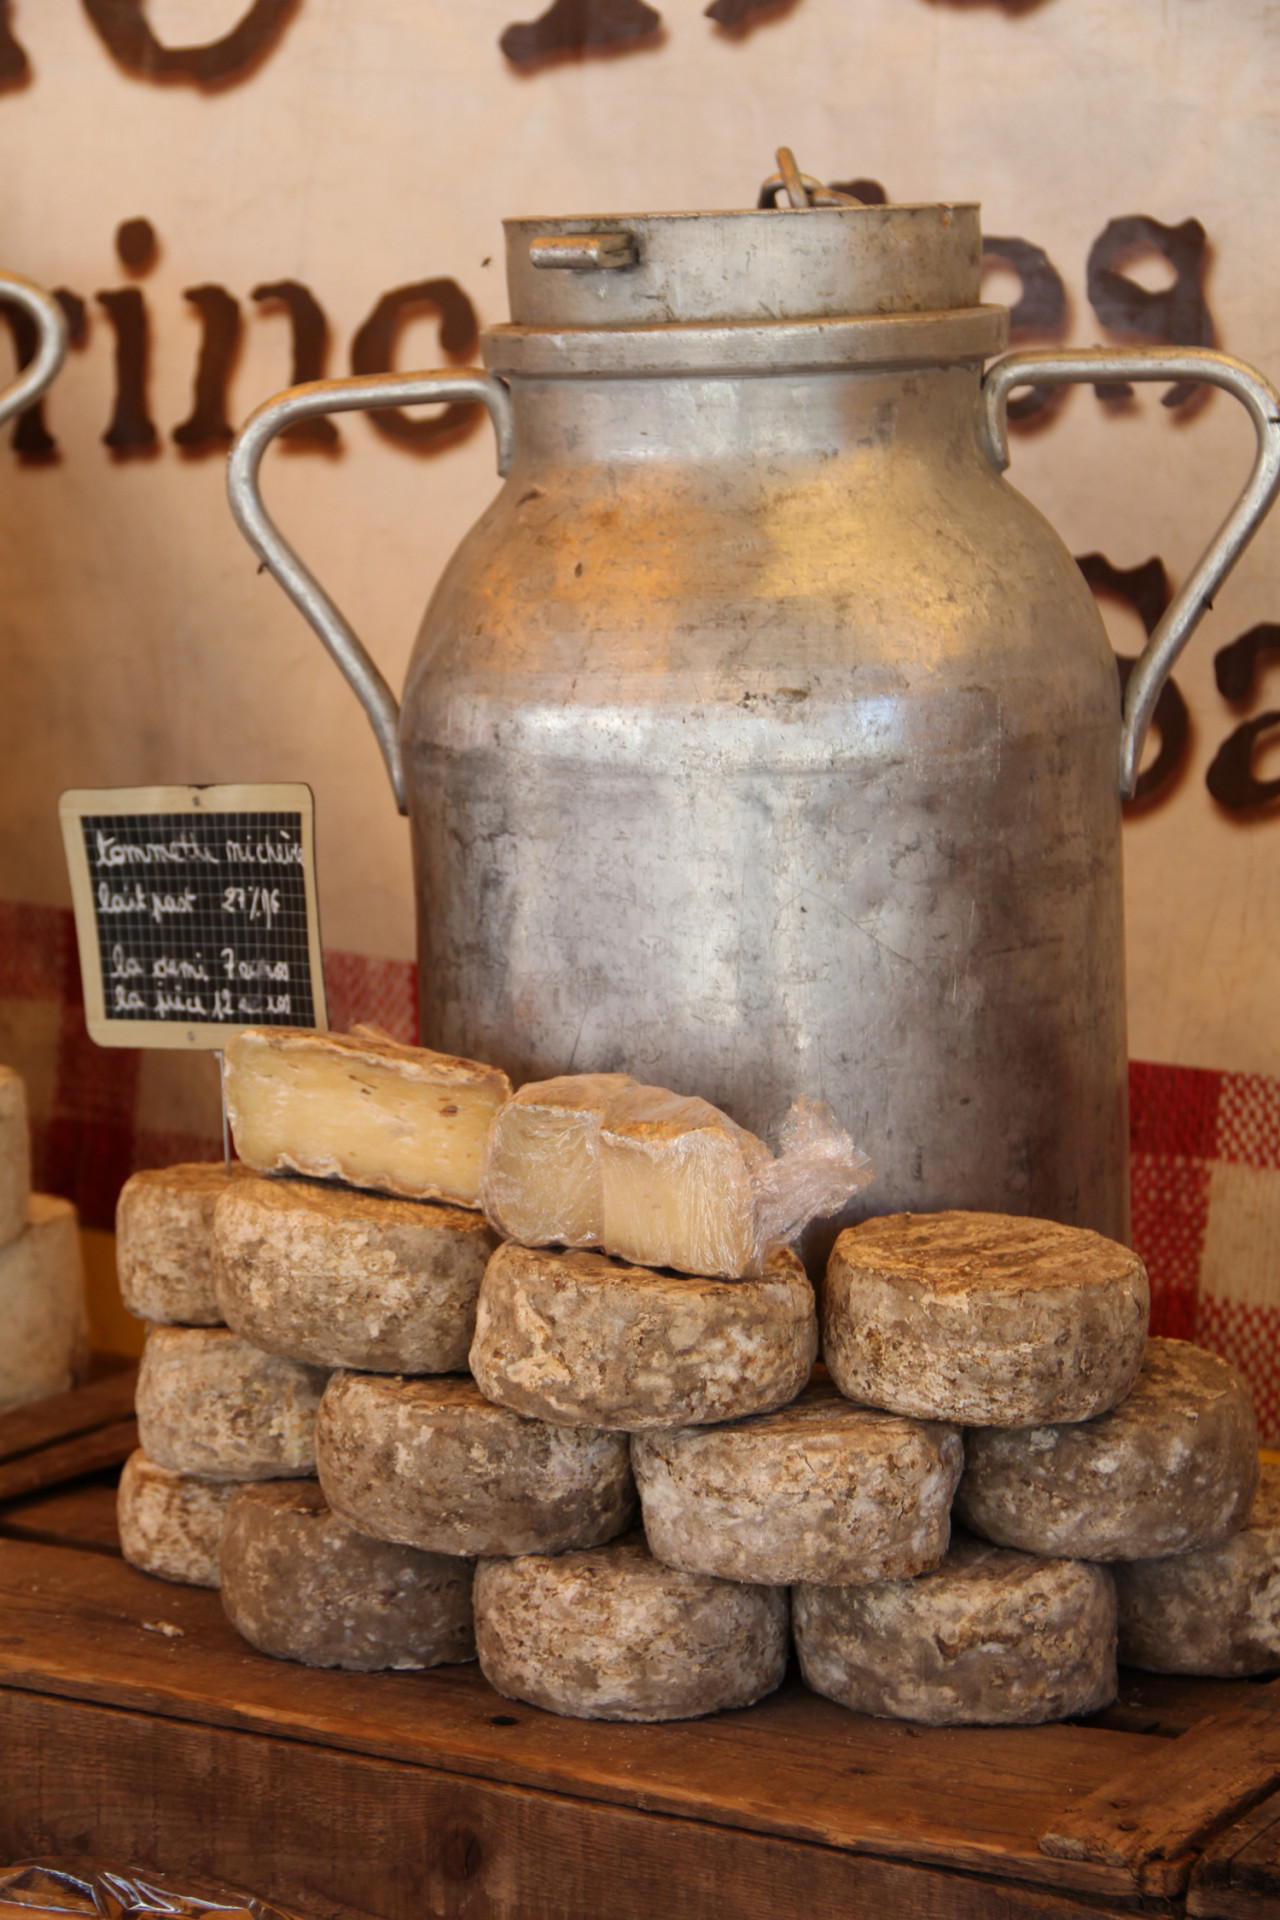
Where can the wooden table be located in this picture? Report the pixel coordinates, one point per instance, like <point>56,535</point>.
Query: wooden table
<point>135,1725</point>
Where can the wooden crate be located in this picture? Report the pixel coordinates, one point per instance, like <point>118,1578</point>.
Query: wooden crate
<point>136,1726</point>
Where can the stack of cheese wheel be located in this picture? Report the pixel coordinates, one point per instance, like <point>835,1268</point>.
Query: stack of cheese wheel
<point>1087,1445</point>
<point>44,1328</point>
<point>638,1293</point>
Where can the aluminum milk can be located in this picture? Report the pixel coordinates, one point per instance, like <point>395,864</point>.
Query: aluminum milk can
<point>761,739</point>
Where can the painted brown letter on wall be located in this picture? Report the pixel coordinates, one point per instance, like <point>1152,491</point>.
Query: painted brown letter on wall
<point>1146,590</point>
<point>124,28</point>
<point>207,428</point>
<point>310,351</point>
<point>31,439</point>
<point>373,351</point>
<point>1176,316</point>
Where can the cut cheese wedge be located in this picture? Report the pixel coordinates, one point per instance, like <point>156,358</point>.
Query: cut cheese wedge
<point>15,1156</point>
<point>44,1327</point>
<point>366,1110</point>
<point>657,1178</point>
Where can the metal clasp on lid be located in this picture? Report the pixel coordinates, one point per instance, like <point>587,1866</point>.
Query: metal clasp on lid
<point>800,189</point>
<point>582,250</point>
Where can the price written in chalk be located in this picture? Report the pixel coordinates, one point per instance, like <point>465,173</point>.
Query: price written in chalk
<point>183,932</point>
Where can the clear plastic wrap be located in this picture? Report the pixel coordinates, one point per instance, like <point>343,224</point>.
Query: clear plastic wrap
<point>86,1887</point>
<point>657,1178</point>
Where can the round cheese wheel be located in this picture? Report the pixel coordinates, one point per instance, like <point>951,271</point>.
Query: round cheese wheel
<point>583,1340</point>
<point>612,1634</point>
<point>982,1318</point>
<point>1173,1467</point>
<point>15,1156</point>
<point>164,1233</point>
<point>821,1491</point>
<point>209,1403</point>
<point>1213,1611</point>
<point>300,1584</point>
<point>342,1278</point>
<point>432,1464</point>
<point>990,1638</point>
<point>170,1523</point>
<point>44,1325</point>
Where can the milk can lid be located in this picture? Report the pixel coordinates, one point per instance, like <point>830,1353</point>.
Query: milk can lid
<point>806,252</point>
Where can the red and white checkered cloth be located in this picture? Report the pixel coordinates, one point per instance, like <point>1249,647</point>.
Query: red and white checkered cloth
<point>1205,1146</point>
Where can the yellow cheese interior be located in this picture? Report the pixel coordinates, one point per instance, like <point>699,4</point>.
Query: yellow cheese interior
<point>679,1198</point>
<point>342,1114</point>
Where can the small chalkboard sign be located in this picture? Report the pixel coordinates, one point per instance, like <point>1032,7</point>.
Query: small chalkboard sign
<point>195,911</point>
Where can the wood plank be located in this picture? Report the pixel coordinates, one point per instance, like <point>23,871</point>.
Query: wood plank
<point>63,1415</point>
<point>796,1766</point>
<point>1238,1875</point>
<point>1163,1809</point>
<point>82,1515</point>
<point>339,1835</point>
<point>51,1466</point>
<point>1169,1704</point>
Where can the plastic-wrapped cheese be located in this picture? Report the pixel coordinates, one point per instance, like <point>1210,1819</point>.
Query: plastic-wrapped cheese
<point>990,1638</point>
<point>44,1327</point>
<point>210,1403</point>
<point>1212,1611</point>
<point>822,1491</point>
<point>299,1584</point>
<point>365,1110</point>
<point>982,1318</point>
<point>170,1523</point>
<point>659,1179</point>
<point>585,1341</point>
<point>343,1278</point>
<point>15,1156</point>
<point>164,1229</point>
<point>431,1464</point>
<point>611,1634</point>
<point>1172,1468</point>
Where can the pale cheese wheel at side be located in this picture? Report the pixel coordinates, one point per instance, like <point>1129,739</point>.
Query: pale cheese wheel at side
<point>44,1325</point>
<point>299,1584</point>
<point>210,1403</point>
<point>583,1340</point>
<point>1214,1611</point>
<point>982,1318</point>
<point>822,1491</point>
<point>1172,1468</point>
<point>347,1279</point>
<point>990,1638</point>
<point>170,1523</point>
<point>15,1156</point>
<point>164,1234</point>
<point>432,1464</point>
<point>612,1634</point>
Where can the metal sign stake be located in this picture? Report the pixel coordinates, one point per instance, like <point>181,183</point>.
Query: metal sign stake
<point>222,1088</point>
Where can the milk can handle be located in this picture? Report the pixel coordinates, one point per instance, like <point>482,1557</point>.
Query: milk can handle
<point>1195,597</point>
<point>359,394</point>
<point>51,351</point>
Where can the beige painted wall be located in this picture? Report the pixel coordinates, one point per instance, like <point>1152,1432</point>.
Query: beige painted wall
<point>381,143</point>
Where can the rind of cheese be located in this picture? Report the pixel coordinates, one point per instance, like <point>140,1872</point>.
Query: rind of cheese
<point>164,1230</point>
<point>585,1341</point>
<point>431,1464</point>
<point>44,1325</point>
<point>982,1318</point>
<point>821,1492</point>
<point>170,1523</point>
<point>337,1106</point>
<point>991,1638</point>
<point>1174,1467</point>
<point>210,1403</point>
<point>15,1156</point>
<point>341,1278</point>
<point>299,1584</point>
<point>1214,1611</point>
<point>612,1634</point>
<point>541,1180</point>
